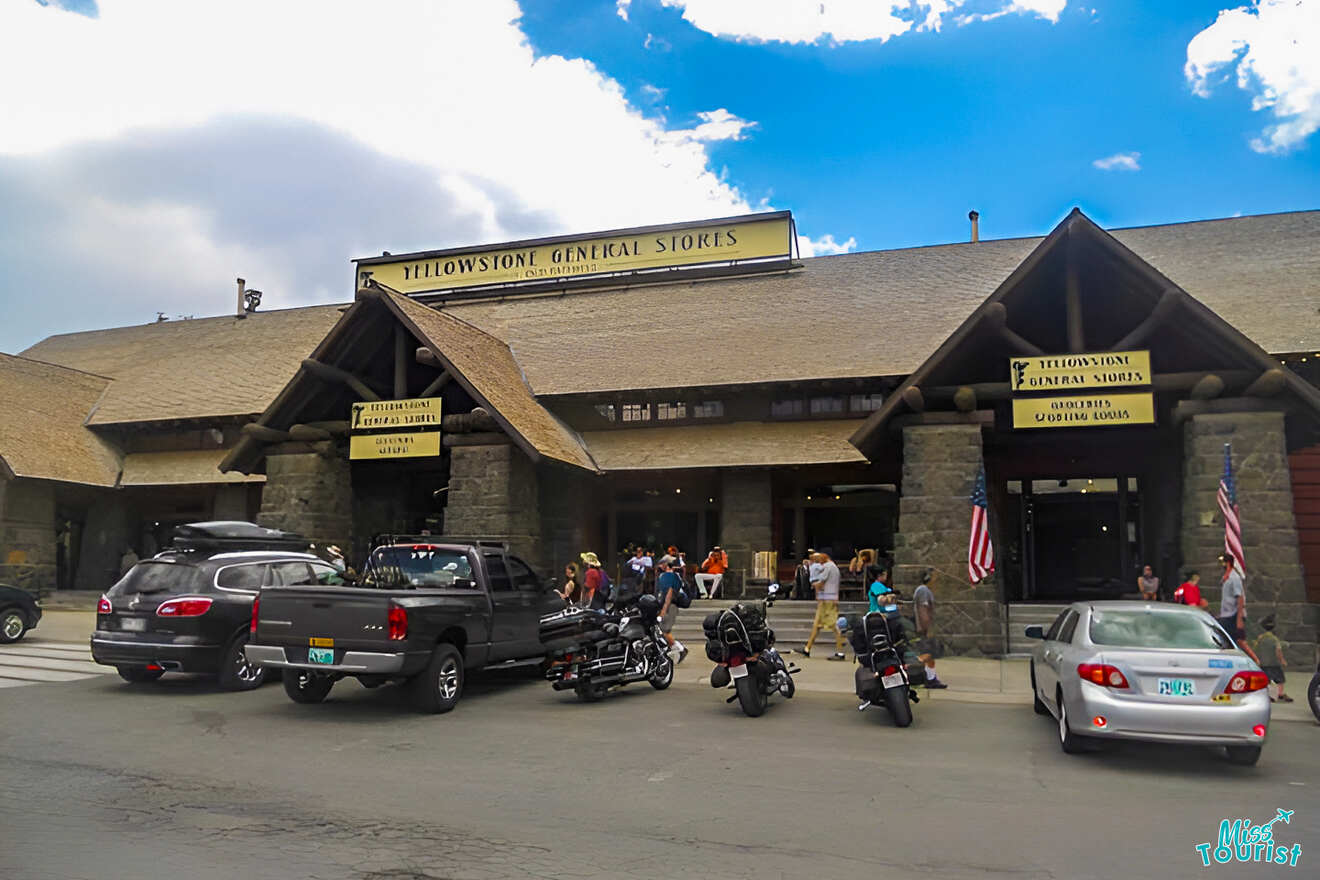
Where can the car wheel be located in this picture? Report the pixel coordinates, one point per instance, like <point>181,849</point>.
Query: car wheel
<point>437,688</point>
<point>1313,695</point>
<point>12,625</point>
<point>236,673</point>
<point>1037,704</point>
<point>304,686</point>
<point>138,674</point>
<point>1243,756</point>
<point>1068,741</point>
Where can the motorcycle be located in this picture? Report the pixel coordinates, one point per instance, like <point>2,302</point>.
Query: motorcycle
<point>884,677</point>
<point>741,644</point>
<point>1313,694</point>
<point>592,651</point>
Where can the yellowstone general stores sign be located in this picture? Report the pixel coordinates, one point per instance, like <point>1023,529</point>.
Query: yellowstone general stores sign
<point>1066,372</point>
<point>730,240</point>
<point>372,421</point>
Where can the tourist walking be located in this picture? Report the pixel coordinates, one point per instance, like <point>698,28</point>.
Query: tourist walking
<point>826,584</point>
<point>1270,651</point>
<point>923,611</point>
<point>1149,585</point>
<point>595,583</point>
<point>667,585</point>
<point>1233,606</point>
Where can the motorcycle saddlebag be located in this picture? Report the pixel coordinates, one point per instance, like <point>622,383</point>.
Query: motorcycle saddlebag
<point>571,628</point>
<point>710,625</point>
<point>717,651</point>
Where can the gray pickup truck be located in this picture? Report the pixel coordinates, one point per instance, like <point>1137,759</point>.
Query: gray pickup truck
<point>423,612</point>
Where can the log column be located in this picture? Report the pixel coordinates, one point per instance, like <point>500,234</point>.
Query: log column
<point>1274,579</point>
<point>940,463</point>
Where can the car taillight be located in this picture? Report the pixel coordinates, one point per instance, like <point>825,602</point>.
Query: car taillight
<point>252,627</point>
<point>193,607</point>
<point>1247,681</point>
<point>1102,674</point>
<point>103,606</point>
<point>398,623</point>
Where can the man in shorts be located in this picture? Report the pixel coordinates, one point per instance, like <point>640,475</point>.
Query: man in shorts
<point>1270,651</point>
<point>923,608</point>
<point>825,581</point>
<point>1233,606</point>
<point>667,585</point>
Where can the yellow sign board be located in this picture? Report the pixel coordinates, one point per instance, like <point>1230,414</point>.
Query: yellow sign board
<point>1084,411</point>
<point>417,412</point>
<point>1064,372</point>
<point>739,238</point>
<point>416,444</point>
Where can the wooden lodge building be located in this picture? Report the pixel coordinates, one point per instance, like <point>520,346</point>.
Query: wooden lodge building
<point>592,396</point>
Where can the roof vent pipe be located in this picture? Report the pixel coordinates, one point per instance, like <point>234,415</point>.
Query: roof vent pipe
<point>242,286</point>
<point>975,217</point>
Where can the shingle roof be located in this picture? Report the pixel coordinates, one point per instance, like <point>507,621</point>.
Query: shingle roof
<point>42,436</point>
<point>180,468</point>
<point>731,444</point>
<point>883,312</point>
<point>206,367</point>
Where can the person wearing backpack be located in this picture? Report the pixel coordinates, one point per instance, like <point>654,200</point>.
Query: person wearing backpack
<point>595,583</point>
<point>669,589</point>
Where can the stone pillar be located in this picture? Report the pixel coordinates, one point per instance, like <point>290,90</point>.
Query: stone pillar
<point>310,494</point>
<point>1269,534</point>
<point>746,525</point>
<point>940,463</point>
<point>493,494</point>
<point>564,496</point>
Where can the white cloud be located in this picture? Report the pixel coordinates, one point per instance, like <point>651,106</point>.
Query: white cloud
<point>276,141</point>
<point>621,7</point>
<point>1273,46</point>
<point>1130,161</point>
<point>824,246</point>
<point>842,21</point>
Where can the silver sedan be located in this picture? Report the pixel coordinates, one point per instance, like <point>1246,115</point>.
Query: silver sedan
<point>1148,671</point>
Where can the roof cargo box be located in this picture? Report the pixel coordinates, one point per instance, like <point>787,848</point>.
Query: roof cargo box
<point>235,535</point>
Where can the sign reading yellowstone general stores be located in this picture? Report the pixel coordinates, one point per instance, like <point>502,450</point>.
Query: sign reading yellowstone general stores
<point>1083,411</point>
<point>1065,372</point>
<point>752,237</point>
<point>419,412</point>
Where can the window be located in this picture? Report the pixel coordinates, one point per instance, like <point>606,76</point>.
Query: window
<point>822,406</point>
<point>241,577</point>
<point>523,576</point>
<point>606,411</point>
<point>669,411</point>
<point>1158,629</point>
<point>156,576</point>
<point>859,403</point>
<point>327,575</point>
<point>786,409</point>
<point>1053,632</point>
<point>709,409</point>
<point>290,573</point>
<point>418,565</point>
<point>1069,627</point>
<point>500,582</point>
<point>637,412</point>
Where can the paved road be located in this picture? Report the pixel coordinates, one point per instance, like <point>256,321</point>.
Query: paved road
<point>35,660</point>
<point>109,780</point>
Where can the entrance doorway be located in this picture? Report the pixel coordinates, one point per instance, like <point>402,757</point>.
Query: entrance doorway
<point>1080,537</point>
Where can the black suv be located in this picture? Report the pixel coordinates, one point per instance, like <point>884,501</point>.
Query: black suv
<point>188,608</point>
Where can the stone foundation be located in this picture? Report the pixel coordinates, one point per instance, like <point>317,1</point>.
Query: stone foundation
<point>493,493</point>
<point>310,494</point>
<point>1274,579</point>
<point>940,463</point>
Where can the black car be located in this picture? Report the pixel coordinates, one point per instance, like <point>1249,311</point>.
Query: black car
<point>19,612</point>
<point>188,609</point>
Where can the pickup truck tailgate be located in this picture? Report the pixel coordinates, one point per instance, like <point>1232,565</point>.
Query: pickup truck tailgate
<point>345,618</point>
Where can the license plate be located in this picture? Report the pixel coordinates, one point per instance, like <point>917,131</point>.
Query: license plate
<point>1177,687</point>
<point>892,681</point>
<point>738,671</point>
<point>133,624</point>
<point>321,655</point>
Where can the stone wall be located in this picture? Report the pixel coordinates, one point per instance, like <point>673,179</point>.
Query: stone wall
<point>27,535</point>
<point>746,515</point>
<point>493,493</point>
<point>940,463</point>
<point>1274,579</point>
<point>310,494</point>
<point>565,496</point>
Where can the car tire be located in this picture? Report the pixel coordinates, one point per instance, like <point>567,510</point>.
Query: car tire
<point>236,674</point>
<point>1243,756</point>
<point>900,709</point>
<point>438,687</point>
<point>306,687</point>
<point>138,674</point>
<point>1313,696</point>
<point>13,625</point>
<point>1037,704</point>
<point>1070,742</point>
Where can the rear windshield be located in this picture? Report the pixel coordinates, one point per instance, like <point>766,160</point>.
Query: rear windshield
<point>418,566</point>
<point>1157,629</point>
<point>159,576</point>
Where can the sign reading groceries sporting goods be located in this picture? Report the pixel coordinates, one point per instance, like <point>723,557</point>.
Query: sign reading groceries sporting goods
<point>413,444</point>
<point>371,420</point>
<point>750,237</point>
<point>1082,411</point>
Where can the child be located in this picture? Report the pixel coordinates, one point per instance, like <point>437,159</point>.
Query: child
<point>1189,593</point>
<point>1270,651</point>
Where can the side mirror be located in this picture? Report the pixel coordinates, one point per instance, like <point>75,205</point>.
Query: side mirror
<point>1035,632</point>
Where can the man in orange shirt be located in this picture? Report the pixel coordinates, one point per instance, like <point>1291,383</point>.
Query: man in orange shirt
<point>712,572</point>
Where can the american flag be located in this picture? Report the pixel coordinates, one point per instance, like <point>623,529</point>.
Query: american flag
<point>1228,506</point>
<point>980,552</point>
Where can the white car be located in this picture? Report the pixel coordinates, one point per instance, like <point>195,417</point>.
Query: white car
<point>1148,671</point>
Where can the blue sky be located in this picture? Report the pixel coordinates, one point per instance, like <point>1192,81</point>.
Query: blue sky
<point>170,147</point>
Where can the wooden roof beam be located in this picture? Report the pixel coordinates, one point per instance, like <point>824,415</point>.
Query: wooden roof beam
<point>329,373</point>
<point>1164,309</point>
<point>996,319</point>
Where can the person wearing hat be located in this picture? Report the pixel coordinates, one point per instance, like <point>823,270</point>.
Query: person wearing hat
<point>594,582</point>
